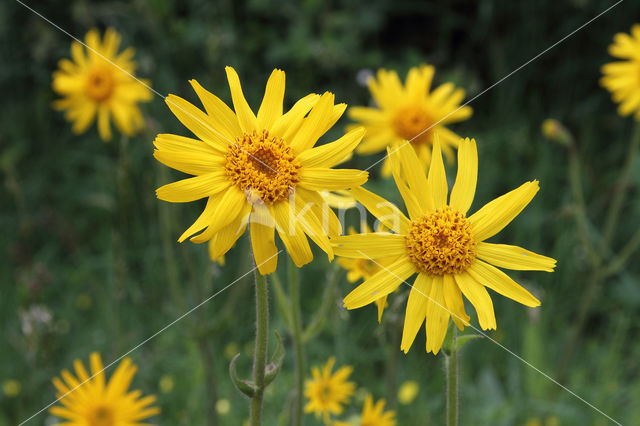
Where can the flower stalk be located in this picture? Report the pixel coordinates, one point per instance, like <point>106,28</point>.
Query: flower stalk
<point>298,345</point>
<point>451,364</point>
<point>260,350</point>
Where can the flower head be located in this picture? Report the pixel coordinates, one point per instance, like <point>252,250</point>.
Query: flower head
<point>260,169</point>
<point>374,414</point>
<point>622,78</point>
<point>442,245</point>
<point>98,83</point>
<point>97,402</point>
<point>410,112</point>
<point>327,392</point>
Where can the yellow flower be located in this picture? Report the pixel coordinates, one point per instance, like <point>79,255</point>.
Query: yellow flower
<point>364,269</point>
<point>327,392</point>
<point>98,83</point>
<point>260,169</point>
<point>622,78</point>
<point>410,113</point>
<point>11,388</point>
<point>374,414</point>
<point>408,392</point>
<point>98,402</point>
<point>442,245</point>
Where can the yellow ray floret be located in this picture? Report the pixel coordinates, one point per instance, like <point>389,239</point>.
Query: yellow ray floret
<point>443,245</point>
<point>89,399</point>
<point>261,170</point>
<point>411,112</point>
<point>98,83</point>
<point>622,78</point>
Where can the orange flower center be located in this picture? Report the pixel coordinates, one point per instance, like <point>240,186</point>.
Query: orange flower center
<point>263,166</point>
<point>440,243</point>
<point>412,122</point>
<point>100,83</point>
<point>101,416</point>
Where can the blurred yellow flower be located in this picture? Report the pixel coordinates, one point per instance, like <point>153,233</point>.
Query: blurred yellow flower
<point>326,392</point>
<point>374,414</point>
<point>622,78</point>
<point>442,245</point>
<point>260,168</point>
<point>99,84</point>
<point>410,112</point>
<point>358,269</point>
<point>408,392</point>
<point>98,402</point>
<point>223,406</point>
<point>166,383</point>
<point>11,388</point>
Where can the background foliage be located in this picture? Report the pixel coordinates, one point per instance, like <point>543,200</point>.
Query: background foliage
<point>87,266</point>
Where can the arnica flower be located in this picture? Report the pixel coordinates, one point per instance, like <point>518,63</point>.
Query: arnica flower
<point>622,78</point>
<point>327,392</point>
<point>373,415</point>
<point>98,84</point>
<point>410,113</point>
<point>98,402</point>
<point>261,169</point>
<point>442,245</point>
<point>358,269</point>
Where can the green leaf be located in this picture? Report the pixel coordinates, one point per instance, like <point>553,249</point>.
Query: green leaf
<point>247,387</point>
<point>273,368</point>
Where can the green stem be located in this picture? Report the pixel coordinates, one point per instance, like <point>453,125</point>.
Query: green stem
<point>260,352</point>
<point>298,347</point>
<point>623,185</point>
<point>451,362</point>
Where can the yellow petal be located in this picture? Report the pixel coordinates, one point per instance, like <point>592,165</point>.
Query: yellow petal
<point>271,107</point>
<point>500,282</point>
<point>193,163</point>
<point>287,125</point>
<point>437,178</point>
<point>221,116</point>
<point>333,153</point>
<point>369,246</point>
<point>291,234</point>
<point>313,126</point>
<point>413,171</point>
<point>437,317</point>
<point>104,127</point>
<point>453,301</point>
<point>311,224</point>
<point>380,284</point>
<point>465,187</point>
<point>321,210</point>
<point>497,214</point>
<point>514,257</point>
<point>175,143</point>
<point>197,121</point>
<point>411,202</point>
<point>246,117</point>
<point>381,304</point>
<point>386,212</point>
<point>219,212</point>
<point>263,239</point>
<point>322,178</point>
<point>194,188</point>
<point>479,298</point>
<point>416,310</point>
<point>221,240</point>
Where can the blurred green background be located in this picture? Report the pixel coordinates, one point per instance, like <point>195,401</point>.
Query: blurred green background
<point>86,266</point>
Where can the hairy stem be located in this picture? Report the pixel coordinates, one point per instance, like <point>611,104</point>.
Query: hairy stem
<point>260,351</point>
<point>298,346</point>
